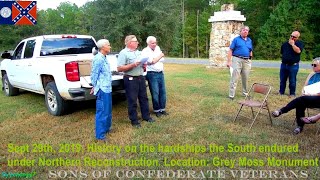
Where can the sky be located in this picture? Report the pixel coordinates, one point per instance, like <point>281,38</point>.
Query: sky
<point>46,4</point>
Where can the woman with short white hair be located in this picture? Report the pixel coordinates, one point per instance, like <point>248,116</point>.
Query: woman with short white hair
<point>101,80</point>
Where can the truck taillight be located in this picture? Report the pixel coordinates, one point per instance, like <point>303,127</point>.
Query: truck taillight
<point>72,71</point>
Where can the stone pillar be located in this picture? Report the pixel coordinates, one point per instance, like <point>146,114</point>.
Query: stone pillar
<point>226,25</point>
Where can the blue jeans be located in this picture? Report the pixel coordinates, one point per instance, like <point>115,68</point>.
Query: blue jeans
<point>158,90</point>
<point>103,114</point>
<point>288,71</point>
<point>136,90</point>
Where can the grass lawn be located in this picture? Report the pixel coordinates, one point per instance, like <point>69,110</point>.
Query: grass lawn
<point>200,116</point>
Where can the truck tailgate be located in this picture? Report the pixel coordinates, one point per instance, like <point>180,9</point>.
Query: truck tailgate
<point>85,80</point>
<point>85,70</point>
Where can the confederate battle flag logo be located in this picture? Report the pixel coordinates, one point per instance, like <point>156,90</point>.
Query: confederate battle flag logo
<point>18,12</point>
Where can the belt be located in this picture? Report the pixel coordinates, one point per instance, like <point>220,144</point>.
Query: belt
<point>290,64</point>
<point>154,71</point>
<point>128,76</point>
<point>241,57</point>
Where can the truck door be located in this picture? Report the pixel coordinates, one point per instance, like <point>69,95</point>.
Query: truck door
<point>15,66</point>
<point>28,73</point>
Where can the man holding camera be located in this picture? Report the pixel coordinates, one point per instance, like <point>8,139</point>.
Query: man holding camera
<point>290,52</point>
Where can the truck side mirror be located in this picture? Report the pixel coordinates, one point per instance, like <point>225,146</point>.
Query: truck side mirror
<point>6,55</point>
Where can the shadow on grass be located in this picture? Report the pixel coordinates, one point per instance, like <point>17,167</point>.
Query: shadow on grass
<point>76,106</point>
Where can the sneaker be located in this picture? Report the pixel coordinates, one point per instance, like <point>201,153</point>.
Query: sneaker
<point>292,96</point>
<point>150,120</point>
<point>164,113</point>
<point>297,130</point>
<point>231,98</point>
<point>136,125</point>
<point>276,113</point>
<point>101,140</point>
<point>158,114</point>
<point>110,131</point>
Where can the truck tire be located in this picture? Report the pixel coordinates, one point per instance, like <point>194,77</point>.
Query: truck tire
<point>54,102</point>
<point>8,89</point>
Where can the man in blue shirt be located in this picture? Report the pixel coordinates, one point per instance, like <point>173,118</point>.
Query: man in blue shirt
<point>101,80</point>
<point>239,60</point>
<point>134,81</point>
<point>290,52</point>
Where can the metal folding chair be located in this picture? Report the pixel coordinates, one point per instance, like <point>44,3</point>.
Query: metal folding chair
<point>308,112</point>
<point>256,98</point>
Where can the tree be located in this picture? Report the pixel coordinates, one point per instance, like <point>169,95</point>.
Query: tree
<point>270,22</point>
<point>257,13</point>
<point>288,16</point>
<point>197,28</point>
<point>116,19</point>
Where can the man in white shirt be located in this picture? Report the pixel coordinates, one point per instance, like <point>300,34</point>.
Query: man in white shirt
<point>155,76</point>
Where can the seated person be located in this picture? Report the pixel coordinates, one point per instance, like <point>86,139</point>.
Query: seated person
<point>307,100</point>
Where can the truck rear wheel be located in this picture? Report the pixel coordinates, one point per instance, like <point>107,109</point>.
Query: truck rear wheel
<point>54,102</point>
<point>9,90</point>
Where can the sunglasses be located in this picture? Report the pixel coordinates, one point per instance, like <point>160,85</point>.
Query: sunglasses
<point>314,65</point>
<point>293,36</point>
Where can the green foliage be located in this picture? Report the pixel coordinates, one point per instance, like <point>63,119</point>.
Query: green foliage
<point>178,24</point>
<point>197,29</point>
<point>257,13</point>
<point>289,15</point>
<point>275,31</point>
<point>115,19</point>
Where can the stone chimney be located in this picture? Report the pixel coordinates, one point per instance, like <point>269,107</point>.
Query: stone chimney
<point>226,25</point>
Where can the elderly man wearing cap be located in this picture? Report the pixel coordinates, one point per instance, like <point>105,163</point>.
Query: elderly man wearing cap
<point>101,81</point>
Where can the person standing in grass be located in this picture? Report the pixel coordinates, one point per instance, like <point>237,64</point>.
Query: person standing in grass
<point>101,81</point>
<point>134,81</point>
<point>289,68</point>
<point>155,76</point>
<point>239,59</point>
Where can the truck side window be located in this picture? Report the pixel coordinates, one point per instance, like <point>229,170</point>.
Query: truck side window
<point>28,50</point>
<point>18,52</point>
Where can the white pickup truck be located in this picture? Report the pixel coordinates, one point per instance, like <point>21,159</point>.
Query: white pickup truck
<point>57,66</point>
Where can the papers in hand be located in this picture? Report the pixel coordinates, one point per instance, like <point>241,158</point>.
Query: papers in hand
<point>312,89</point>
<point>231,70</point>
<point>142,59</point>
<point>161,60</point>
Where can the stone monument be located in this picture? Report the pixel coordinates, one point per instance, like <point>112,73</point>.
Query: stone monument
<point>226,25</point>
